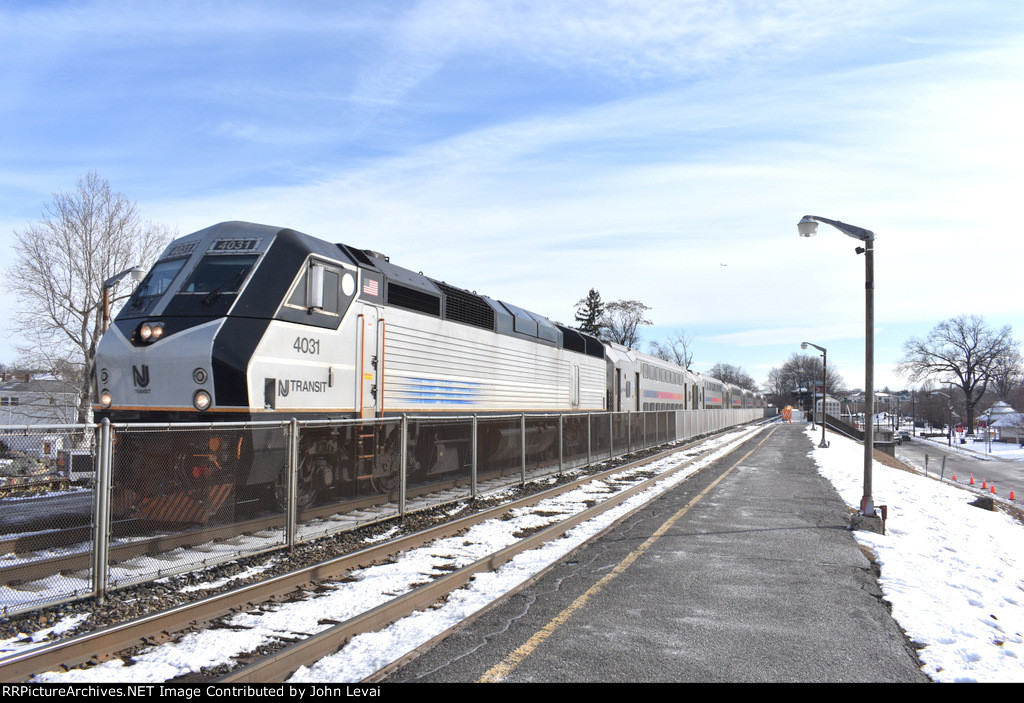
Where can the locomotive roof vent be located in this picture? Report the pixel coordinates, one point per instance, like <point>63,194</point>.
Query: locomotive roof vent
<point>376,255</point>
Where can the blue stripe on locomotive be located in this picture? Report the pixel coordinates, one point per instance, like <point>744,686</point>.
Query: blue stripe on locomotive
<point>431,391</point>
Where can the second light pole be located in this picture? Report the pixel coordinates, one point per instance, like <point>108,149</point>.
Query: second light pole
<point>807,227</point>
<point>824,366</point>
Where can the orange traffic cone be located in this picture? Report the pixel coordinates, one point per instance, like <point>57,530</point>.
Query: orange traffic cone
<point>1011,492</point>
<point>954,477</point>
<point>993,491</point>
<point>983,484</point>
<point>972,479</point>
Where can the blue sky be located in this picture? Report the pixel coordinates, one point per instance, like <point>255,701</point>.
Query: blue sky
<point>659,151</point>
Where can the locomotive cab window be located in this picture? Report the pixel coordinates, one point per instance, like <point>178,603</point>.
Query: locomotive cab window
<point>154,285</point>
<point>317,288</point>
<point>219,275</point>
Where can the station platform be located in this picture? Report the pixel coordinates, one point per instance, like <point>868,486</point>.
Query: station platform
<point>751,577</point>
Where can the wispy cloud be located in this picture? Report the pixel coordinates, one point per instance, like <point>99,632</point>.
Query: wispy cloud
<point>533,150</point>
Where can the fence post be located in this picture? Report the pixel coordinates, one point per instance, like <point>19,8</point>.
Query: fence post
<point>588,440</point>
<point>291,509</point>
<point>472,484</point>
<point>101,513</point>
<point>522,448</point>
<point>561,444</point>
<point>403,464</point>
<point>611,435</point>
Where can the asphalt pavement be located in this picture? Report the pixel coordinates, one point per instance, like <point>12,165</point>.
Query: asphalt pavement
<point>963,461</point>
<point>752,576</point>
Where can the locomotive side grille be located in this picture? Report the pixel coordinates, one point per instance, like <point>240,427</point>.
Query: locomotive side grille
<point>412,299</point>
<point>463,306</point>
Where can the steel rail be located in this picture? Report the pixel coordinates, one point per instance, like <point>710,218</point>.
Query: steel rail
<point>105,643</point>
<point>36,569</point>
<point>284,662</point>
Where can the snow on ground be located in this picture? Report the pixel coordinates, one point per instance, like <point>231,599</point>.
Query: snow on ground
<point>952,572</point>
<point>979,450</point>
<point>366,654</point>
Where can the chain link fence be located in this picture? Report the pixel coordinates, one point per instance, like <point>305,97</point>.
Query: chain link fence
<point>47,505</point>
<point>88,509</point>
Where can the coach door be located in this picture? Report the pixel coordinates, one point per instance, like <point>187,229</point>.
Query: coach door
<point>370,363</point>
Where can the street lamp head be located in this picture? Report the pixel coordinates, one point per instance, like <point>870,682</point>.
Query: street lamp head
<point>803,345</point>
<point>808,227</point>
<point>137,273</point>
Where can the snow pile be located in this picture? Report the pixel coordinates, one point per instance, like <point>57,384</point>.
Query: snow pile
<point>952,572</point>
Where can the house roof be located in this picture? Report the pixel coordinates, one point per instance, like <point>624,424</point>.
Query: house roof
<point>1000,408</point>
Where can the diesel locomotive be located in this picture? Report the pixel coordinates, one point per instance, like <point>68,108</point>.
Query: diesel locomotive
<point>247,322</point>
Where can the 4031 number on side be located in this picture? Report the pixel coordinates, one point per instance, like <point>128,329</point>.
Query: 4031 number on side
<point>306,345</point>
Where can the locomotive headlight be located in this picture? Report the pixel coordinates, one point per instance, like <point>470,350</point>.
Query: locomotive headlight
<point>105,398</point>
<point>151,331</point>
<point>201,400</point>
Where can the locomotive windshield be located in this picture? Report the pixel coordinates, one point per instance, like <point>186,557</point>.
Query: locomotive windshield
<point>212,286</point>
<point>218,275</point>
<point>154,285</point>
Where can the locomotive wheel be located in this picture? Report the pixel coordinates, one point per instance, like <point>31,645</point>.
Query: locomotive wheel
<point>385,484</point>
<point>305,490</point>
<point>386,475</point>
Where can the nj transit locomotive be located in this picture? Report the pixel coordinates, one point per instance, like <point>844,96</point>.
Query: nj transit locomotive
<point>242,321</point>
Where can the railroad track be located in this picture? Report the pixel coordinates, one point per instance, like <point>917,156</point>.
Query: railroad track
<point>105,643</point>
<point>76,541</point>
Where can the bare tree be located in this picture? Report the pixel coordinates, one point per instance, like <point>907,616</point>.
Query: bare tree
<point>963,350</point>
<point>675,350</point>
<point>728,373</point>
<point>83,238</point>
<point>1008,375</point>
<point>622,320</point>
<point>794,382</point>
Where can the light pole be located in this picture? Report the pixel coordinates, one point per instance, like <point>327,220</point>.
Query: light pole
<point>808,227</point>
<point>988,430</point>
<point>913,412</point>
<point>949,403</point>
<point>810,400</point>
<point>949,387</point>
<point>824,363</point>
<point>137,273</point>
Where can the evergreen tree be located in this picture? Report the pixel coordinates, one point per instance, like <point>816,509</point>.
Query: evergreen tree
<point>589,312</point>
